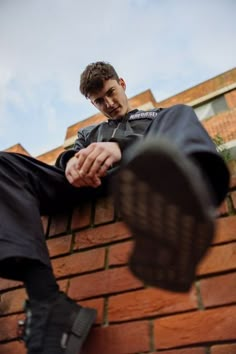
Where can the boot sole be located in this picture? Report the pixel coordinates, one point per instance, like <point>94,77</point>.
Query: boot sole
<point>165,206</point>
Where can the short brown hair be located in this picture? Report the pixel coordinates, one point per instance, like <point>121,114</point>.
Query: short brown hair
<point>93,77</point>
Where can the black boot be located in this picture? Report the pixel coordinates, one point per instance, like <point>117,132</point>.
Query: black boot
<point>168,207</point>
<point>56,327</point>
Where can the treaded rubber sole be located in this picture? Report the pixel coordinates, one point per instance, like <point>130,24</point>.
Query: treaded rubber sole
<point>80,330</point>
<point>165,204</point>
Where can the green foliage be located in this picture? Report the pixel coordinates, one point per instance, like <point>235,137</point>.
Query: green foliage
<point>224,152</point>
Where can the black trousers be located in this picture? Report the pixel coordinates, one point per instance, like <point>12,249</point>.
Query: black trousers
<point>30,188</point>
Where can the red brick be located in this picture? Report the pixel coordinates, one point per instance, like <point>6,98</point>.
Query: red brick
<point>233,196</point>
<point>8,325</point>
<point>184,351</point>
<point>7,284</point>
<point>195,328</point>
<point>97,304</point>
<point>79,262</point>
<point>232,163</point>
<point>104,211</point>
<point>218,290</point>
<point>231,98</point>
<point>12,301</point>
<point>59,245</point>
<point>148,302</point>
<point>63,285</point>
<point>223,209</point>
<point>226,229</point>
<point>12,348</point>
<point>102,283</point>
<point>233,181</point>
<point>59,224</point>
<point>128,338</point>
<point>101,235</point>
<point>45,224</point>
<point>81,216</point>
<point>119,254</point>
<point>223,125</point>
<point>224,349</point>
<point>219,259</point>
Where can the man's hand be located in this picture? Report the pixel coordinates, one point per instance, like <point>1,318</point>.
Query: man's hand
<point>97,158</point>
<point>90,164</point>
<point>75,178</point>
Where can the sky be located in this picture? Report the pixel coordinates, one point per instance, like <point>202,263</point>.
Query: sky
<point>167,46</point>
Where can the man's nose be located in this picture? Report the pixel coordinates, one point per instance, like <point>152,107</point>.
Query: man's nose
<point>108,102</point>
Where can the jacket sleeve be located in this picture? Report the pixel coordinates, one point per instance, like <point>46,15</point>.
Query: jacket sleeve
<point>65,156</point>
<point>127,141</point>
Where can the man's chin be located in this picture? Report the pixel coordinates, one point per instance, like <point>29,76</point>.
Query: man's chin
<point>117,114</point>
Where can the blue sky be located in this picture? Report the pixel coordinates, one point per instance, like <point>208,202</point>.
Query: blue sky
<point>165,45</point>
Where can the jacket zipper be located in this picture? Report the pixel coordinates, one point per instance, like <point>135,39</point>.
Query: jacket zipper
<point>114,131</point>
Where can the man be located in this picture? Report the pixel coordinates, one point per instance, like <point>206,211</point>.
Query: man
<point>167,179</point>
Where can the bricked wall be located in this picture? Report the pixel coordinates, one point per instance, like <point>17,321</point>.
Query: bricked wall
<point>89,249</point>
<point>224,125</point>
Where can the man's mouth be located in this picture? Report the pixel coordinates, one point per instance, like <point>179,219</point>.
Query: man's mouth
<point>114,110</point>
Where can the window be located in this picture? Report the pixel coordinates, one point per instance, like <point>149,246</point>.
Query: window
<point>211,108</point>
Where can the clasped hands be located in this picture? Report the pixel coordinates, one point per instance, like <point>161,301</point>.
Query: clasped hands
<point>89,165</point>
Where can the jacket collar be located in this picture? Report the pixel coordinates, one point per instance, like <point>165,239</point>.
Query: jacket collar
<point>125,117</point>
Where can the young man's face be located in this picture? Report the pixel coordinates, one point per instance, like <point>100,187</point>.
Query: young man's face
<point>111,100</point>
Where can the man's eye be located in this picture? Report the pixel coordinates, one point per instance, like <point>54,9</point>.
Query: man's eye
<point>98,102</point>
<point>111,92</point>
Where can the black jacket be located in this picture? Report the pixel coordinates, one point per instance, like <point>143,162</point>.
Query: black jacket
<point>124,131</point>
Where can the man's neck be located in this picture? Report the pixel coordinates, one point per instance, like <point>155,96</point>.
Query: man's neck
<point>131,109</point>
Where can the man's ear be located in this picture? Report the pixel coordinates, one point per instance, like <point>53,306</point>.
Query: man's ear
<point>122,83</point>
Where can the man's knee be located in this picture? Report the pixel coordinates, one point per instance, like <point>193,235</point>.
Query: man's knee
<point>181,110</point>
<point>5,156</point>
<point>9,160</point>
<point>174,120</point>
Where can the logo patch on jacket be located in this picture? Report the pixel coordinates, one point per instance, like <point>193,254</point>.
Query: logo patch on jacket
<point>144,115</point>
